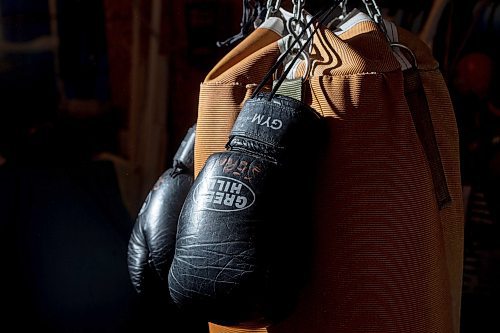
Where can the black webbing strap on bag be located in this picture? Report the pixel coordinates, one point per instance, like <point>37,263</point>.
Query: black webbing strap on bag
<point>421,115</point>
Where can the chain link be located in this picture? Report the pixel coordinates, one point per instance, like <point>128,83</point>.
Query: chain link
<point>298,6</point>
<point>272,7</point>
<point>374,12</point>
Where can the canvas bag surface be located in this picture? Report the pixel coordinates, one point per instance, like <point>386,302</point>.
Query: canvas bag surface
<point>388,248</point>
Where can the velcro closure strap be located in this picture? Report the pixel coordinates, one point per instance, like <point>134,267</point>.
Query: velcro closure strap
<point>278,123</point>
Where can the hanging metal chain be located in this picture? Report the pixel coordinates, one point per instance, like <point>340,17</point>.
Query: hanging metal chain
<point>298,6</point>
<point>297,27</point>
<point>374,12</point>
<point>272,7</point>
<point>298,22</point>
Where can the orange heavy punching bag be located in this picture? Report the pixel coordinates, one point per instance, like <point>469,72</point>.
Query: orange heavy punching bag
<point>388,217</point>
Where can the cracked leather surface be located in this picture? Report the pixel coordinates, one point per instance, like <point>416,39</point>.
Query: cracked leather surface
<point>243,228</point>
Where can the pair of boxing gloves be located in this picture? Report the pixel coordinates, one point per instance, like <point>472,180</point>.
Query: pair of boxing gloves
<point>233,244</point>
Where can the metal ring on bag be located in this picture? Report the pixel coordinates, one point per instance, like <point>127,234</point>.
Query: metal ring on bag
<point>407,49</point>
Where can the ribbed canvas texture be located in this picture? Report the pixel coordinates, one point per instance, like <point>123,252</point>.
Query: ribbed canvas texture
<point>386,258</point>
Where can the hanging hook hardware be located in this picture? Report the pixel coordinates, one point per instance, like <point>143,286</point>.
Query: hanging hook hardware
<point>273,7</point>
<point>374,12</point>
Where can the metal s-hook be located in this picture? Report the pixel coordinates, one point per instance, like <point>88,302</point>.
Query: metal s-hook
<point>298,22</point>
<point>322,15</point>
<point>297,26</point>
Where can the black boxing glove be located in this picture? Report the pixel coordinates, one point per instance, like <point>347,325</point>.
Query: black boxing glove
<point>239,251</point>
<point>152,241</point>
